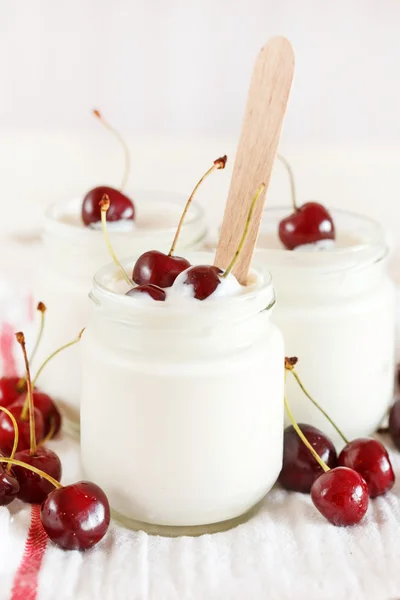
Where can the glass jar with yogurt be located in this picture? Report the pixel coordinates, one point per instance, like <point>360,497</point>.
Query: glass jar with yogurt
<point>182,403</point>
<point>73,253</point>
<point>336,310</point>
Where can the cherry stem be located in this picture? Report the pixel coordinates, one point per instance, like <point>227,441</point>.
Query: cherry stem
<point>50,435</point>
<point>49,358</point>
<point>291,178</point>
<point>290,368</point>
<point>218,164</point>
<point>19,463</point>
<point>16,433</point>
<point>258,193</point>
<point>21,341</point>
<point>104,206</point>
<point>121,140</point>
<point>303,438</point>
<point>41,307</point>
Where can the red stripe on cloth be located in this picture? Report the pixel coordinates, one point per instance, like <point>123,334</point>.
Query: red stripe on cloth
<point>7,341</point>
<point>26,579</point>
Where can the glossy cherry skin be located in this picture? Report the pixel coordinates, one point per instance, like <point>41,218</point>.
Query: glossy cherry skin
<point>158,268</point>
<point>9,390</point>
<point>9,486</point>
<point>33,488</point>
<point>299,468</point>
<point>151,290</point>
<point>394,424</point>
<point>76,516</point>
<point>50,413</point>
<point>204,279</point>
<point>310,223</point>
<point>7,429</point>
<point>369,458</point>
<point>121,207</point>
<point>341,496</point>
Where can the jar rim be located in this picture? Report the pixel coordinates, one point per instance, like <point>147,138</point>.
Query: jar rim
<point>372,246</point>
<point>147,197</point>
<point>259,298</point>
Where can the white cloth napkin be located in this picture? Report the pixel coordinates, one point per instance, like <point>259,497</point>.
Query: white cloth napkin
<point>286,551</point>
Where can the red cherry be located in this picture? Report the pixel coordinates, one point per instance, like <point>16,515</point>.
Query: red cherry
<point>76,516</point>
<point>300,469</point>
<point>33,488</point>
<point>310,223</point>
<point>394,424</point>
<point>50,413</point>
<point>152,290</point>
<point>9,487</point>
<point>121,207</point>
<point>7,429</point>
<point>204,279</point>
<point>158,268</point>
<point>341,496</point>
<point>369,458</point>
<point>9,390</point>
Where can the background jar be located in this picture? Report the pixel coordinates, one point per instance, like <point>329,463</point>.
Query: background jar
<point>182,405</point>
<point>72,254</point>
<point>336,310</point>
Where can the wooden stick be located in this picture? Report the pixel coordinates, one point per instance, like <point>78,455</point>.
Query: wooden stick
<point>261,129</point>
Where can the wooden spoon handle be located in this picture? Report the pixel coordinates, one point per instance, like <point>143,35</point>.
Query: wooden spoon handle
<point>261,129</point>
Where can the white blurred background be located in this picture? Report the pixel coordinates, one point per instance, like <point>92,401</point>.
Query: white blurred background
<point>173,76</point>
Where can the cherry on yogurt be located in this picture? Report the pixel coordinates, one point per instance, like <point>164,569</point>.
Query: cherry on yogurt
<point>155,292</point>
<point>122,207</point>
<point>205,279</point>
<point>309,223</point>
<point>157,268</point>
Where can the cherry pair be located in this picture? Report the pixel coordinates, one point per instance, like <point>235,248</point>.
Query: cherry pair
<point>22,426</point>
<point>154,266</point>
<point>75,517</point>
<point>340,486</point>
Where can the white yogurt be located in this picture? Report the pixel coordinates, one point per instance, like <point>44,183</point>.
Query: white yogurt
<point>73,253</point>
<point>182,403</point>
<point>335,309</point>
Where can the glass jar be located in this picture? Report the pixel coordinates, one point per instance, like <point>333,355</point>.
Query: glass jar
<point>182,406</point>
<point>72,254</point>
<point>336,310</point>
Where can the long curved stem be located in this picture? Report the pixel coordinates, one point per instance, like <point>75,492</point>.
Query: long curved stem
<point>303,438</point>
<point>21,340</point>
<point>218,164</point>
<point>105,205</point>
<point>229,268</point>
<point>16,433</point>
<point>124,146</point>
<point>19,463</point>
<point>291,178</point>
<point>53,354</point>
<point>300,383</point>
